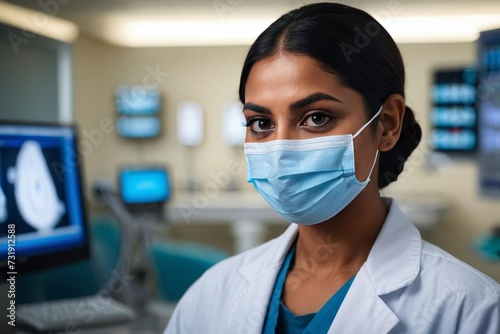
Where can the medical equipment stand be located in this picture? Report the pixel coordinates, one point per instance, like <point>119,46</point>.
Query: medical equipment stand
<point>132,281</point>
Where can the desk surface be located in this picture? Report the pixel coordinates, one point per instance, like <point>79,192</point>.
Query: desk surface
<point>202,207</point>
<point>424,210</point>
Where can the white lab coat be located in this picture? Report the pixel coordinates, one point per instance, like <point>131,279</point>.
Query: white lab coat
<point>405,286</point>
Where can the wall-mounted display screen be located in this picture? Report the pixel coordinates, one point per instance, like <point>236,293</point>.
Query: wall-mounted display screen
<point>489,112</point>
<point>137,100</point>
<point>138,108</point>
<point>138,127</point>
<point>454,110</point>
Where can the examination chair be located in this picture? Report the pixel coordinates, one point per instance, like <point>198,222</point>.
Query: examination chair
<point>179,263</point>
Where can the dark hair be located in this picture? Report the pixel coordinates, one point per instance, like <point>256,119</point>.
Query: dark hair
<point>351,44</point>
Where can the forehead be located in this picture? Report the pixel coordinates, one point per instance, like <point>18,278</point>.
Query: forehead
<point>290,76</point>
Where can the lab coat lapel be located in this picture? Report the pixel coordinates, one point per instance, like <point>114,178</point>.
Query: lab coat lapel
<point>363,311</point>
<point>393,263</point>
<point>248,309</point>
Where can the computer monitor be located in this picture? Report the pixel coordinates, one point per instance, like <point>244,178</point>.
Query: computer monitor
<point>454,118</point>
<point>137,100</point>
<point>144,187</point>
<point>41,200</point>
<point>489,113</point>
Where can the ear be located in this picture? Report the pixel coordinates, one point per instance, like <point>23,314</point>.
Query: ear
<point>391,121</point>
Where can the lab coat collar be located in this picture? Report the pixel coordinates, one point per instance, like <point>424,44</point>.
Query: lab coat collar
<point>248,308</point>
<point>394,260</point>
<point>252,270</point>
<point>393,263</point>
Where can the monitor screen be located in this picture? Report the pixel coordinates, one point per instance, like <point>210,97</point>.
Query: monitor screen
<point>137,100</point>
<point>138,127</point>
<point>41,200</point>
<point>489,113</point>
<point>454,112</point>
<point>144,185</point>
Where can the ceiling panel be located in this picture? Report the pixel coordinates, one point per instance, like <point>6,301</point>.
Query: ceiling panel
<point>115,20</point>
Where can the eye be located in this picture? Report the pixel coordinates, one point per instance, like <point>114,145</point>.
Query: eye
<point>259,125</point>
<point>316,120</point>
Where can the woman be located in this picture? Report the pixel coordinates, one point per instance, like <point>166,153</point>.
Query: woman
<point>323,95</point>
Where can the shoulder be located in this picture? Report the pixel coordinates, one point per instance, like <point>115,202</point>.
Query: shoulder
<point>457,292</point>
<point>445,296</point>
<point>440,264</point>
<point>430,290</point>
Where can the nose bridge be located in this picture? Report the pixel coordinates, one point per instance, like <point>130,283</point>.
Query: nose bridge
<point>283,132</point>
<point>285,128</point>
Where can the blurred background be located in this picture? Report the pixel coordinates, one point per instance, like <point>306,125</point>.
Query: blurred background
<point>152,86</point>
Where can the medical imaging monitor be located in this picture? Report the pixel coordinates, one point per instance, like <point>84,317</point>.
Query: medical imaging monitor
<point>42,215</point>
<point>144,188</point>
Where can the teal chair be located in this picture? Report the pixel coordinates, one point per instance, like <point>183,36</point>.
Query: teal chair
<point>78,279</point>
<point>178,264</point>
<point>105,248</point>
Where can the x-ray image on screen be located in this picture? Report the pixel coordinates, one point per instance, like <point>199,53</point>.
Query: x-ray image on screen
<point>41,198</point>
<point>37,198</point>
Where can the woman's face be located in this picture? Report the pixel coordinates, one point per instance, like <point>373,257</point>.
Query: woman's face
<point>289,96</point>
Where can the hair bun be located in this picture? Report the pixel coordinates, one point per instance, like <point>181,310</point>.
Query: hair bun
<point>392,162</point>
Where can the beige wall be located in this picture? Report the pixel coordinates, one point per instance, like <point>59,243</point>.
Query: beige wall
<point>210,75</point>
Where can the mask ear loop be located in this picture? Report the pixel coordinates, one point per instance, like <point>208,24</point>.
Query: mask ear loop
<point>373,166</point>
<point>368,123</point>
<point>368,178</point>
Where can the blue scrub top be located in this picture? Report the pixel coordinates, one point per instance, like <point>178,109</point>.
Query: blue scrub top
<point>281,320</point>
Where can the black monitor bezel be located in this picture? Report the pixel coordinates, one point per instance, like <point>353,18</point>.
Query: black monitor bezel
<point>63,257</point>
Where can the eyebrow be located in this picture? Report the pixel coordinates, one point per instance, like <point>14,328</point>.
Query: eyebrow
<point>295,105</point>
<point>256,108</point>
<point>313,98</point>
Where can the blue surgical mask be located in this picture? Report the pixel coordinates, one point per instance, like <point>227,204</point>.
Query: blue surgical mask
<point>309,180</point>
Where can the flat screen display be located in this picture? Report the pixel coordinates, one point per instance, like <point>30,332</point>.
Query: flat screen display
<point>137,100</point>
<point>144,185</point>
<point>454,111</point>
<point>41,196</point>
<point>489,113</point>
<point>138,127</point>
